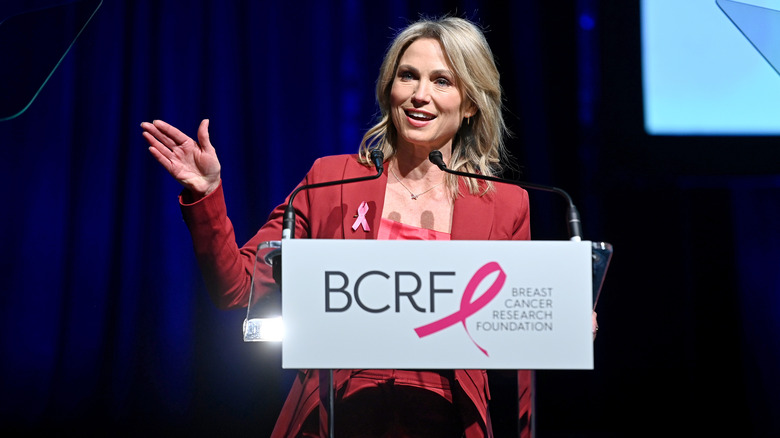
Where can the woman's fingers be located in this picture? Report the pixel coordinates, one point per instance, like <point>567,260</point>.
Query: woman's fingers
<point>203,136</point>
<point>171,136</point>
<point>155,138</point>
<point>161,157</point>
<point>161,145</point>
<point>155,144</point>
<point>165,134</point>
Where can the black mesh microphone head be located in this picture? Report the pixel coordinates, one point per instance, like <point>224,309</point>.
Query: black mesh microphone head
<point>378,158</point>
<point>436,158</point>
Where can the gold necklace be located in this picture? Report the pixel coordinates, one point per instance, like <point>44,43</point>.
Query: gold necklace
<point>414,197</point>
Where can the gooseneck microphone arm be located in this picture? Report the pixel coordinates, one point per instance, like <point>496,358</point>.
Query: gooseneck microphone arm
<point>288,232</point>
<point>288,221</point>
<point>575,226</point>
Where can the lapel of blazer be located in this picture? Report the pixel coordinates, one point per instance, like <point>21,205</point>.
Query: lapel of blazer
<point>472,215</point>
<point>371,192</point>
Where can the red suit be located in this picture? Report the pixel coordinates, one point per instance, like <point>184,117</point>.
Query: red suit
<point>329,212</point>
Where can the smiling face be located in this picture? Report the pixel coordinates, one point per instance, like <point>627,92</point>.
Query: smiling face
<point>426,104</point>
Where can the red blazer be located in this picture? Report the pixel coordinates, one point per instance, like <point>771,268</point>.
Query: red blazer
<point>328,213</point>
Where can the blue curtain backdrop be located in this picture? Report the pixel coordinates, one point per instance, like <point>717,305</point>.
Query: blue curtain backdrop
<point>104,323</point>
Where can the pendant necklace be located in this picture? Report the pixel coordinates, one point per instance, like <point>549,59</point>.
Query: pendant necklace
<point>414,197</point>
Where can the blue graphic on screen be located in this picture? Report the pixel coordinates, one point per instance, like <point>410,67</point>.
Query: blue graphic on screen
<point>711,67</point>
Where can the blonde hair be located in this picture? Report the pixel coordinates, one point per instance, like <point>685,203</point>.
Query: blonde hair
<point>478,146</point>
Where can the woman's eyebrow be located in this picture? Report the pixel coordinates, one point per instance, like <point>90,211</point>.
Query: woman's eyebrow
<point>439,72</point>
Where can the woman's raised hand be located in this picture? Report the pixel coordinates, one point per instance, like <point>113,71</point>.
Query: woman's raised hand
<point>193,164</point>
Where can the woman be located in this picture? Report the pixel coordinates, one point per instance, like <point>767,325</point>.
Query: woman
<point>438,89</point>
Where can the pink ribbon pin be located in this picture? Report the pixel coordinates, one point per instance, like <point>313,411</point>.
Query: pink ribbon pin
<point>361,220</point>
<point>467,307</point>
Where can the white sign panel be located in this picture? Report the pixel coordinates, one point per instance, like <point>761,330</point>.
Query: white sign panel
<point>437,304</point>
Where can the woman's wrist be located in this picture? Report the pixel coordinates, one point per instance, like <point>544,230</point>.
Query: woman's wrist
<point>191,195</point>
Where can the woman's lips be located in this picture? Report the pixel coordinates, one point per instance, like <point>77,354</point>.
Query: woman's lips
<point>419,118</point>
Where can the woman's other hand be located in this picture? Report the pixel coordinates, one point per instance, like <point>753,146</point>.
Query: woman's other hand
<point>193,164</point>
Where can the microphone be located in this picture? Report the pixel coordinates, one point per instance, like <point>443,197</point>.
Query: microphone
<point>288,221</point>
<point>575,226</point>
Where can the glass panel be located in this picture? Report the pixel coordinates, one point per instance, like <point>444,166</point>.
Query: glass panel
<point>602,254</point>
<point>264,310</point>
<point>760,25</point>
<point>32,45</point>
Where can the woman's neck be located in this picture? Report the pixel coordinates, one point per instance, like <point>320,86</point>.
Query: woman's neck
<point>412,163</point>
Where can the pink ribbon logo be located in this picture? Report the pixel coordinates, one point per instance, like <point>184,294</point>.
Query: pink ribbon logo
<point>361,219</point>
<point>467,307</point>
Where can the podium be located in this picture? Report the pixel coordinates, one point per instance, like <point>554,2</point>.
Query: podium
<point>350,304</point>
<point>523,259</point>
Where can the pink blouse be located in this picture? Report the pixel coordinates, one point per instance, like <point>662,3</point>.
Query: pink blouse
<point>392,230</point>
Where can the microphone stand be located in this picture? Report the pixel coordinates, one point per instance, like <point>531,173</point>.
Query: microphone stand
<point>575,226</point>
<point>288,223</point>
<point>288,232</point>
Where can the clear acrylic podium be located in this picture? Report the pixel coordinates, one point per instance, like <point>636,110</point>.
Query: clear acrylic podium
<point>439,297</point>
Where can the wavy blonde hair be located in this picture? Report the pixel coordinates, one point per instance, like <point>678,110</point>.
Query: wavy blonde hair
<point>478,146</point>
